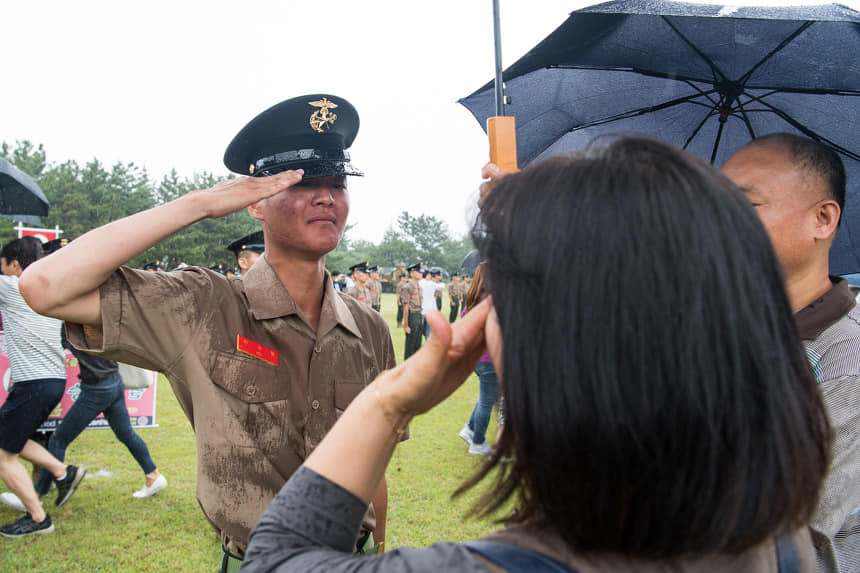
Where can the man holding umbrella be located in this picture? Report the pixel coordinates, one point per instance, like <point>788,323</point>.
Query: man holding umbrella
<point>797,186</point>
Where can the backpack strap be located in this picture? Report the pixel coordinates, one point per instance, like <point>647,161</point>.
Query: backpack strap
<point>787,560</point>
<point>516,559</point>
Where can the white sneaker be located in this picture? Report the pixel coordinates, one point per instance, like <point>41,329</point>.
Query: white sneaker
<point>13,501</point>
<point>466,434</point>
<point>480,449</point>
<point>147,490</point>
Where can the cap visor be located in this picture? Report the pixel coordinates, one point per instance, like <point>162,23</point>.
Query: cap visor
<point>314,169</point>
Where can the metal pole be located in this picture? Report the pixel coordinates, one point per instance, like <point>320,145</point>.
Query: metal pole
<point>497,36</point>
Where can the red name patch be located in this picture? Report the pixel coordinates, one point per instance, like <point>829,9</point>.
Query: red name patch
<point>256,350</point>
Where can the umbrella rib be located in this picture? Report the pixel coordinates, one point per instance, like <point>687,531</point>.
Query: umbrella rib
<point>714,69</point>
<point>743,79</point>
<point>641,71</point>
<point>803,129</point>
<point>640,111</point>
<point>746,117</point>
<point>696,131</point>
<point>691,81</point>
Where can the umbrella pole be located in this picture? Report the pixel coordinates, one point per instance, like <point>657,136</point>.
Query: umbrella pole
<point>497,39</point>
<point>501,130</point>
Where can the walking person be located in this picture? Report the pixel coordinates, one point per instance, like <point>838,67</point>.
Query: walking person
<point>36,361</point>
<point>475,430</point>
<point>102,390</point>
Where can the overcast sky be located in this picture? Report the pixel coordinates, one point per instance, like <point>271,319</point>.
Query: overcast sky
<point>167,84</point>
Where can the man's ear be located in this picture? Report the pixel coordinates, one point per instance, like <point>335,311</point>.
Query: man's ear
<point>255,209</point>
<point>826,219</point>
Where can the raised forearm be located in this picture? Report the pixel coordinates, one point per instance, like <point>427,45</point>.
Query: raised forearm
<point>65,285</point>
<point>60,284</point>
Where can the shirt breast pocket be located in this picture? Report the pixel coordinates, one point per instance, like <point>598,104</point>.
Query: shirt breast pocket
<point>254,406</point>
<point>345,391</point>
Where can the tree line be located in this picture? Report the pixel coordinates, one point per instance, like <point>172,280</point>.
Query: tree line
<point>85,197</point>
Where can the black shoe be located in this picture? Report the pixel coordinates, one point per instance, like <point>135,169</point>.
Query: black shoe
<point>26,526</point>
<point>67,486</point>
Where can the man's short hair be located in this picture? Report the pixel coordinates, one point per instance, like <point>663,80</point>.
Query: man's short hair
<point>814,157</point>
<point>26,250</point>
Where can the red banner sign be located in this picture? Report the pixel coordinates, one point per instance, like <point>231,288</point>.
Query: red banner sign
<point>140,403</point>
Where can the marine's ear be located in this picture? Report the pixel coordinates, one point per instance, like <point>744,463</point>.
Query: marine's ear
<point>256,211</point>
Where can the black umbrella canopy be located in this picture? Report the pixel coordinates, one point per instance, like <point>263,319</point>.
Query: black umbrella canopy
<point>706,78</point>
<point>470,262</point>
<point>21,198</point>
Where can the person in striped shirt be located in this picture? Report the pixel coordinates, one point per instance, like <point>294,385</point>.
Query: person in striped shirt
<point>36,361</point>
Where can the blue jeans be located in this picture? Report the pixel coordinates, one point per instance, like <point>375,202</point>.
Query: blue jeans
<point>489,393</point>
<point>106,396</point>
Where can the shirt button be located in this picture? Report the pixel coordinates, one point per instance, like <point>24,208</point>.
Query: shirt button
<point>317,349</point>
<point>250,389</point>
<point>315,404</point>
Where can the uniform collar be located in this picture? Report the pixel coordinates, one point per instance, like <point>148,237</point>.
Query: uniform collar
<point>823,312</point>
<point>269,298</point>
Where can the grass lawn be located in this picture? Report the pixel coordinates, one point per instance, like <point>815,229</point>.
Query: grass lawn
<point>104,529</point>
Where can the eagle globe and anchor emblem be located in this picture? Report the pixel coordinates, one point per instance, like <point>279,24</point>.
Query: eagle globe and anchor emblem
<point>322,118</point>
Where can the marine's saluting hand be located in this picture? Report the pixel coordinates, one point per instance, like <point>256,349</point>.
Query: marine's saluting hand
<point>231,195</point>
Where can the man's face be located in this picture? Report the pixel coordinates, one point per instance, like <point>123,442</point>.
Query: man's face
<point>415,275</point>
<point>309,217</point>
<point>374,275</point>
<point>359,276</point>
<point>455,280</point>
<point>246,260</point>
<point>785,197</point>
<point>6,268</point>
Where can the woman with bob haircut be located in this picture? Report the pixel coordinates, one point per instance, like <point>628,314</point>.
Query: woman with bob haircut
<point>661,414</point>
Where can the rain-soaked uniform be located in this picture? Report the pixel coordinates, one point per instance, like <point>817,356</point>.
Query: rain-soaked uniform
<point>258,385</point>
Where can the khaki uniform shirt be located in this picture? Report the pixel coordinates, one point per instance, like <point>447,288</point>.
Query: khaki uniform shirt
<point>374,291</point>
<point>454,292</point>
<point>260,387</point>
<point>360,293</point>
<point>402,291</point>
<point>414,298</point>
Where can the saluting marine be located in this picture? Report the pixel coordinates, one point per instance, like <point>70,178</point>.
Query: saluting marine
<point>261,366</point>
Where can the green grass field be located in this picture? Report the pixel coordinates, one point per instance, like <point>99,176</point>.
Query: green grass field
<point>104,529</point>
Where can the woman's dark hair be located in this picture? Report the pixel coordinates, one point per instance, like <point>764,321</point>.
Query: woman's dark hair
<point>26,250</point>
<point>659,401</point>
<point>476,289</point>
